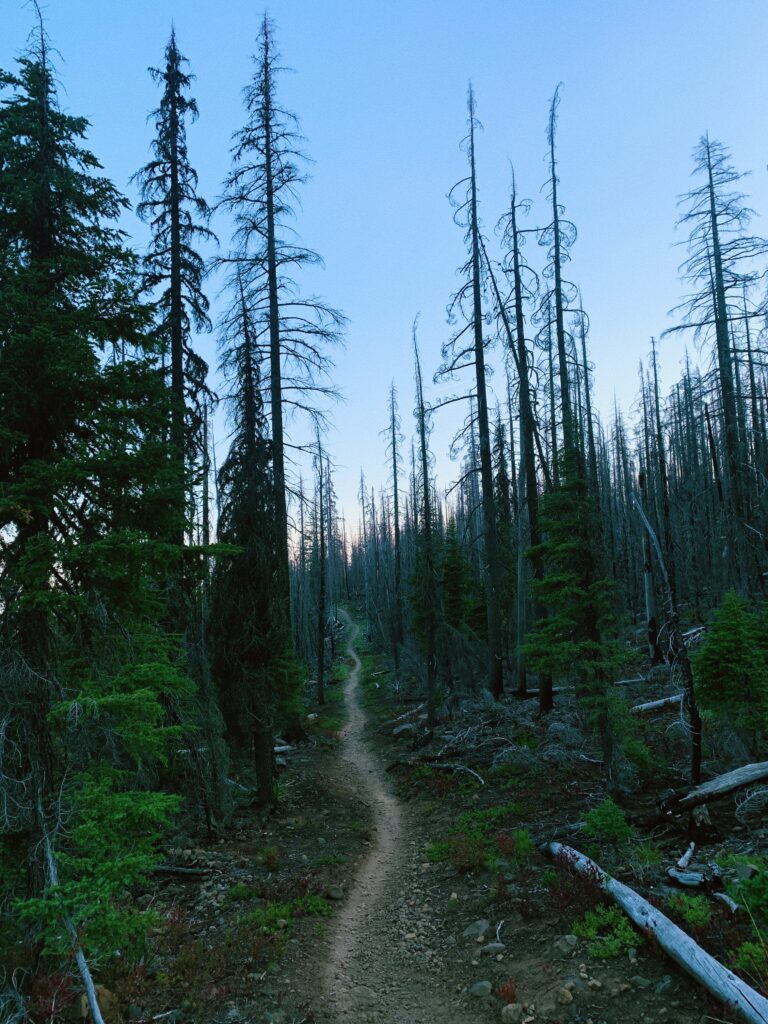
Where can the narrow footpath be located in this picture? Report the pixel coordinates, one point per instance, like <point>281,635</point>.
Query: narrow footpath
<point>372,972</point>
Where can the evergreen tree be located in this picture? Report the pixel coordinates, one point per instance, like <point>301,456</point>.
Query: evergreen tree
<point>248,637</point>
<point>731,669</point>
<point>178,217</point>
<point>571,642</point>
<point>86,674</point>
<point>179,221</point>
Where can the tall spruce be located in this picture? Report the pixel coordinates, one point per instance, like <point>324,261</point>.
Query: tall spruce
<point>83,482</point>
<point>178,217</point>
<point>247,633</point>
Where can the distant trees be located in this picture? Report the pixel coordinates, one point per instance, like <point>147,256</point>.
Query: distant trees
<point>607,526</point>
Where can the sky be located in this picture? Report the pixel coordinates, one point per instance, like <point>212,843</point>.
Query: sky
<point>380,89</point>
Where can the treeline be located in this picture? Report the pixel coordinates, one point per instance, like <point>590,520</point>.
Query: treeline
<point>571,550</point>
<point>154,624</point>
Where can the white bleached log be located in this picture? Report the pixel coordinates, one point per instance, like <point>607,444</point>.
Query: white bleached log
<point>657,705</point>
<point>747,775</point>
<point>717,979</point>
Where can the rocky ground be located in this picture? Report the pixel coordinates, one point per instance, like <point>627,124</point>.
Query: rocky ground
<point>356,900</point>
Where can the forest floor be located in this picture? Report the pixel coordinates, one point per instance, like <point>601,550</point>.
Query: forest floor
<point>369,895</point>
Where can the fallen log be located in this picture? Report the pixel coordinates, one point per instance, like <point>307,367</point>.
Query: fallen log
<point>717,787</point>
<point>402,718</point>
<point>688,879</point>
<point>657,705</point>
<point>685,860</point>
<point>717,979</point>
<point>732,905</point>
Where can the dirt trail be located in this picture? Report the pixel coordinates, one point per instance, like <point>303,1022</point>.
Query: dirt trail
<point>373,973</point>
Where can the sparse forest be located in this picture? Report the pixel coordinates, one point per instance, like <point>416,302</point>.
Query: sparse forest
<point>493,748</point>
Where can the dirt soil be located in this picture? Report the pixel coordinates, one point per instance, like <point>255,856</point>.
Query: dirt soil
<point>399,937</point>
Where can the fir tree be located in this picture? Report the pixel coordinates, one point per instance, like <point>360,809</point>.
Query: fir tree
<point>178,217</point>
<point>731,668</point>
<point>571,641</point>
<point>86,677</point>
<point>247,634</point>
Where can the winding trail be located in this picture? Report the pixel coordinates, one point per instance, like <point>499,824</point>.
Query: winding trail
<point>372,973</point>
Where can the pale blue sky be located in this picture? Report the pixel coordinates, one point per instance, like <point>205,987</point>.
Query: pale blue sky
<point>380,89</point>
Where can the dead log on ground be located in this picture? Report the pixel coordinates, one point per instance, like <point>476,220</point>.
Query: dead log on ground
<point>717,979</point>
<point>717,787</point>
<point>402,718</point>
<point>685,860</point>
<point>657,705</point>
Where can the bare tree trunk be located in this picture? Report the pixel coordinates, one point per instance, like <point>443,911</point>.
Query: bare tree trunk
<point>321,581</point>
<point>429,567</point>
<point>490,527</point>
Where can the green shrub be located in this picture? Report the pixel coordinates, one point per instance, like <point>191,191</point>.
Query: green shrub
<point>516,847</point>
<point>752,961</point>
<point>607,931</point>
<point>479,823</point>
<point>466,853</point>
<point>549,878</point>
<point>269,857</point>
<point>331,860</point>
<point>606,824</point>
<point>239,892</point>
<point>694,910</point>
<point>640,756</point>
<point>643,858</point>
<point>278,917</point>
<point>437,853</point>
<point>112,846</point>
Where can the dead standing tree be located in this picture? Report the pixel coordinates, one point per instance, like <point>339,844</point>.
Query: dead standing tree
<point>721,261</point>
<point>291,333</point>
<point>466,349</point>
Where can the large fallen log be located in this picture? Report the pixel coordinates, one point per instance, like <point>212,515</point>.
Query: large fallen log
<point>727,987</point>
<point>657,705</point>
<point>717,787</point>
